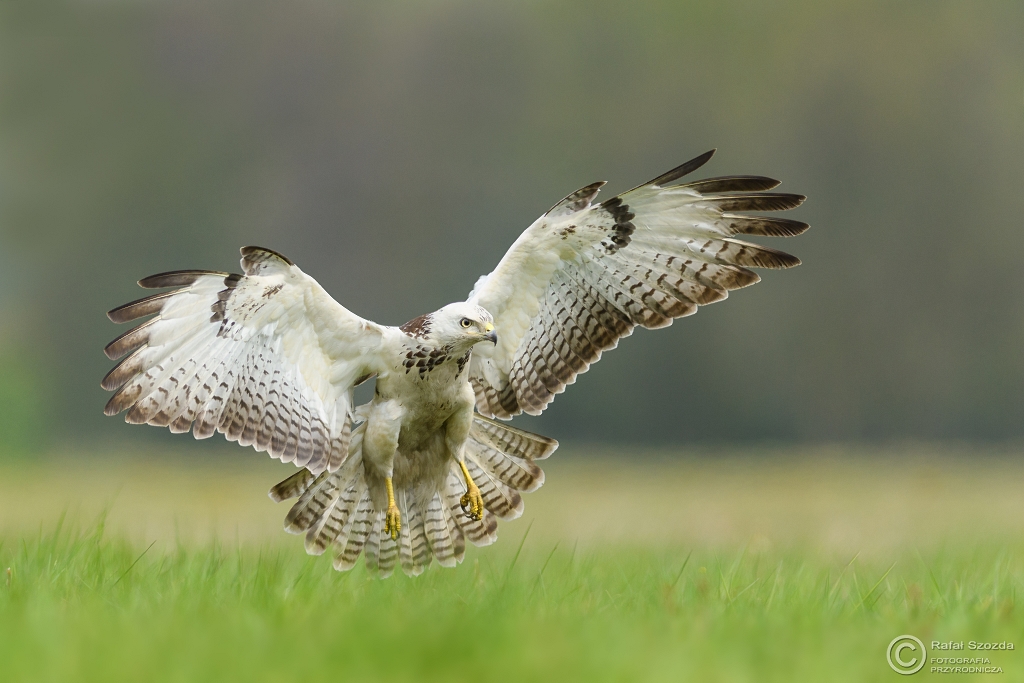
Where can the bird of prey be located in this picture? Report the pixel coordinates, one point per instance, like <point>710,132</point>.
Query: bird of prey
<point>270,360</point>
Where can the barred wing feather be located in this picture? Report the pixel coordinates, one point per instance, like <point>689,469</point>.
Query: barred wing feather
<point>267,358</point>
<point>584,275</point>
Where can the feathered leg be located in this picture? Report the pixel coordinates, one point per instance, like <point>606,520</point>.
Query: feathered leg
<point>456,432</point>
<point>380,444</point>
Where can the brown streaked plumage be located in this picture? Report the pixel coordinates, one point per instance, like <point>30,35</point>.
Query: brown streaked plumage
<point>418,327</point>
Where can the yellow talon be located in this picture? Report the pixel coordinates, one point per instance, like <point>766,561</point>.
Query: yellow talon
<point>392,518</point>
<point>472,502</point>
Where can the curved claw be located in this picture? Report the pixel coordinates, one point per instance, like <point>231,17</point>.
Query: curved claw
<point>472,502</point>
<point>393,522</point>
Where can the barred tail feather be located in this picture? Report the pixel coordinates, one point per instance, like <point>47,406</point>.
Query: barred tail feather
<point>292,487</point>
<point>336,509</point>
<point>335,521</point>
<point>381,550</point>
<point>507,439</point>
<point>354,537</point>
<point>414,551</point>
<point>445,543</point>
<point>311,505</point>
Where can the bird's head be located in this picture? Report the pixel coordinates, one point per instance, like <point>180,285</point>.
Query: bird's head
<point>459,325</point>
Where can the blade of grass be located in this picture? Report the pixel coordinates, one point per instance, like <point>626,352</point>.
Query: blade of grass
<point>931,575</point>
<point>133,563</point>
<point>540,574</point>
<point>681,570</point>
<point>515,558</point>
<point>877,584</point>
<point>839,579</point>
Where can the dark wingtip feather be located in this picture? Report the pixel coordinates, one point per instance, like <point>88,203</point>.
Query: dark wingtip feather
<point>124,398</point>
<point>139,308</point>
<point>743,278</point>
<point>260,252</point>
<point>764,225</point>
<point>111,408</point>
<point>130,341</point>
<point>789,228</point>
<point>733,183</point>
<point>121,373</point>
<point>578,200</point>
<point>683,169</point>
<point>176,278</point>
<point>756,201</point>
<point>761,256</point>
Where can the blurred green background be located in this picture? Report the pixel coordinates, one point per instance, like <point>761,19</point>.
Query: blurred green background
<point>396,149</point>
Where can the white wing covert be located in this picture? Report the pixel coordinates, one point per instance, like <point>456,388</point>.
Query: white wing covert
<point>584,275</point>
<point>267,358</point>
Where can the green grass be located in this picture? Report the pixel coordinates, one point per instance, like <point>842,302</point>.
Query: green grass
<point>84,600</point>
<point>83,607</point>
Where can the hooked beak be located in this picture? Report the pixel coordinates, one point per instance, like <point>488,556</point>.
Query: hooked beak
<point>490,335</point>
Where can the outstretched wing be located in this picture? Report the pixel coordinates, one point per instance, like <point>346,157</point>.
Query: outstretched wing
<point>268,359</point>
<point>584,275</point>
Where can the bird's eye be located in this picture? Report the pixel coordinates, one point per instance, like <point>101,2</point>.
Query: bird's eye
<point>465,322</point>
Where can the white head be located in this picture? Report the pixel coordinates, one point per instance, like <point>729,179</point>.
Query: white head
<point>459,325</point>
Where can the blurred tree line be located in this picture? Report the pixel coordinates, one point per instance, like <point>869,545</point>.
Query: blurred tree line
<point>395,150</point>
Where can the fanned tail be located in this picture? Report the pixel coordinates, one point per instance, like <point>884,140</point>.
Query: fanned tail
<point>336,509</point>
